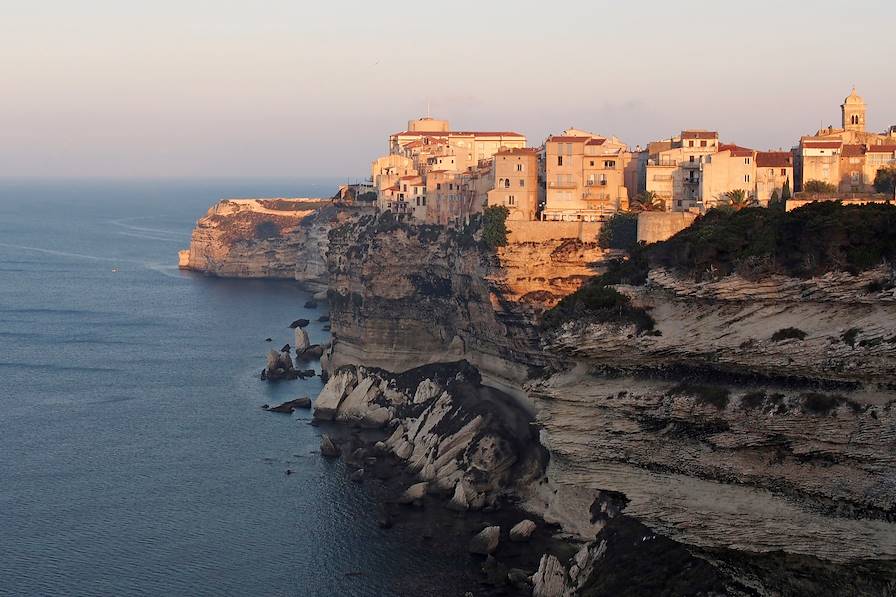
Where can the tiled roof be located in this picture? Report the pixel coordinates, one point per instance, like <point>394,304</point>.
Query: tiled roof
<point>562,139</point>
<point>699,135</point>
<point>822,144</point>
<point>457,134</point>
<point>518,151</point>
<point>736,150</point>
<point>853,151</point>
<point>774,159</point>
<point>596,142</point>
<point>881,148</point>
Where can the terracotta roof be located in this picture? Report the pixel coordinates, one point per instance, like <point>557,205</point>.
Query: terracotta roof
<point>853,151</point>
<point>518,151</point>
<point>699,135</point>
<point>596,142</point>
<point>881,148</point>
<point>562,139</point>
<point>410,177</point>
<point>822,144</point>
<point>736,150</point>
<point>774,159</point>
<point>457,134</point>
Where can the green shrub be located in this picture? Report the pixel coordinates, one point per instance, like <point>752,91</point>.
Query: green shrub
<point>595,301</point>
<point>704,394</point>
<point>753,400</point>
<point>266,229</point>
<point>849,336</point>
<point>885,180</point>
<point>819,186</point>
<point>494,226</point>
<point>788,334</point>
<point>817,238</point>
<point>821,404</point>
<point>619,232</point>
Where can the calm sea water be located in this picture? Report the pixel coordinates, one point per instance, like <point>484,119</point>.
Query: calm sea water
<point>134,457</point>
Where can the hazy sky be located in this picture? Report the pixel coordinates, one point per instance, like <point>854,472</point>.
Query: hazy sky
<point>299,88</point>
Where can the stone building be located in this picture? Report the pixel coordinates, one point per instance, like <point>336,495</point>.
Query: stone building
<point>585,176</point>
<point>516,183</point>
<point>774,169</point>
<point>673,167</point>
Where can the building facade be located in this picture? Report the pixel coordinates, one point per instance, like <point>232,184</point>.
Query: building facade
<point>516,183</point>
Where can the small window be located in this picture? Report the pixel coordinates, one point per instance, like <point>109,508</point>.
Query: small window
<point>438,186</point>
<point>559,160</point>
<point>690,143</point>
<point>783,171</point>
<point>506,183</point>
<point>511,199</point>
<point>746,178</point>
<point>691,158</point>
<point>519,167</point>
<point>610,164</point>
<point>747,161</point>
<point>592,163</point>
<point>702,143</point>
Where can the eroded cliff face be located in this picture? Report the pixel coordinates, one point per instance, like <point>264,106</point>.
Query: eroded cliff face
<point>264,238</point>
<point>402,296</point>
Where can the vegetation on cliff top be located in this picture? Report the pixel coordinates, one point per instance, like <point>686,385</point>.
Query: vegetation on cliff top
<point>812,240</point>
<point>597,301</point>
<point>494,226</point>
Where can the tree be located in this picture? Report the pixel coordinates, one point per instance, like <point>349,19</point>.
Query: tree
<point>737,199</point>
<point>619,232</point>
<point>785,192</point>
<point>494,226</point>
<point>776,202</point>
<point>819,186</point>
<point>647,201</point>
<point>885,181</point>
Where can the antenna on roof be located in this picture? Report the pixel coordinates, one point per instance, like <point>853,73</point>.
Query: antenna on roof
<point>427,108</point>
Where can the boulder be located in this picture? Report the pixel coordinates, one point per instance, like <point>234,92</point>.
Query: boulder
<point>312,353</point>
<point>519,578</point>
<point>268,339</point>
<point>291,405</point>
<point>495,572</point>
<point>550,579</point>
<point>327,404</point>
<point>301,339</point>
<point>299,323</point>
<point>486,542</point>
<point>328,448</point>
<point>286,348</point>
<point>458,501</point>
<point>413,494</point>
<point>522,531</point>
<point>357,476</point>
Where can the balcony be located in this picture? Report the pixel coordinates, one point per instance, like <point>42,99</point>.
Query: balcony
<point>562,185</point>
<point>690,181</point>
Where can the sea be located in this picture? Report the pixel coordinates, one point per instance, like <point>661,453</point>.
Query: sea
<point>135,457</point>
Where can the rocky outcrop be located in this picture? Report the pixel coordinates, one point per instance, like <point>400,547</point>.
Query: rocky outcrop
<point>265,238</point>
<point>402,296</point>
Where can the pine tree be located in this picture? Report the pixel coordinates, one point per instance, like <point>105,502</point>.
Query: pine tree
<point>785,193</point>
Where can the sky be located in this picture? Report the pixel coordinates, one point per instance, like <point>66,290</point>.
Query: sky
<point>194,88</point>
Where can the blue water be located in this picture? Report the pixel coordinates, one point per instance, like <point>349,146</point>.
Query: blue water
<point>134,457</point>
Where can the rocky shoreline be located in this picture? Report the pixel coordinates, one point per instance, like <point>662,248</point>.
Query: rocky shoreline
<point>743,447</point>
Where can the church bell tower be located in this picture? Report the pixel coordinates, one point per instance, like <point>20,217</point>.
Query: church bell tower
<point>853,112</point>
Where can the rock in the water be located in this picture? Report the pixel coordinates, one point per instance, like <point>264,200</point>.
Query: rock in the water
<point>522,531</point>
<point>328,448</point>
<point>519,578</point>
<point>311,305</point>
<point>549,581</point>
<point>268,339</point>
<point>327,404</point>
<point>458,501</point>
<point>357,476</point>
<point>286,348</point>
<point>313,352</point>
<point>414,493</point>
<point>291,405</point>
<point>301,340</point>
<point>299,323</point>
<point>486,542</point>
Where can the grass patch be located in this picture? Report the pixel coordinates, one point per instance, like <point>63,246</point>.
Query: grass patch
<point>849,336</point>
<point>788,334</point>
<point>704,394</point>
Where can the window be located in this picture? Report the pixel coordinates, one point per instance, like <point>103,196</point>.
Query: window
<point>519,167</point>
<point>438,186</point>
<point>783,171</point>
<point>424,201</point>
<point>404,188</point>
<point>690,143</point>
<point>511,199</point>
<point>559,160</point>
<point>702,143</point>
<point>747,161</point>
<point>691,158</point>
<point>609,163</point>
<point>522,182</point>
<point>450,186</point>
<point>569,149</point>
<point>592,163</point>
<point>506,183</point>
<point>746,178</point>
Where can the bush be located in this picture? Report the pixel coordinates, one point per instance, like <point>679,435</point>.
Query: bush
<point>595,301</point>
<point>266,229</point>
<point>368,196</point>
<point>819,186</point>
<point>821,404</point>
<point>812,240</point>
<point>494,226</point>
<point>788,334</point>
<point>619,232</point>
<point>885,180</point>
<point>704,394</point>
<point>849,336</point>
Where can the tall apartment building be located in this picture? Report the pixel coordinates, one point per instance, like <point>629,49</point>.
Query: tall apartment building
<point>673,168</point>
<point>585,176</point>
<point>516,183</point>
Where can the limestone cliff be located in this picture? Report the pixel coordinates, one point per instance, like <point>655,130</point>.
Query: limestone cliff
<point>263,238</point>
